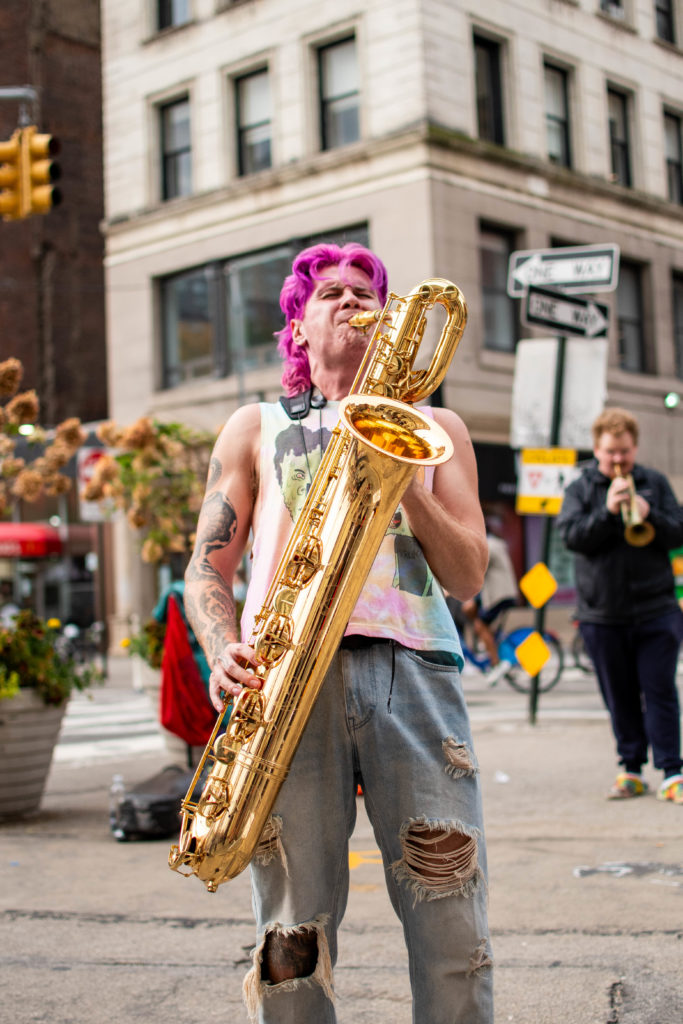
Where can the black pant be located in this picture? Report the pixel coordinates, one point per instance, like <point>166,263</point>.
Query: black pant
<point>636,670</point>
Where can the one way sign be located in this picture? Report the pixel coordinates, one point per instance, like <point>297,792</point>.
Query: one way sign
<point>588,268</point>
<point>568,314</point>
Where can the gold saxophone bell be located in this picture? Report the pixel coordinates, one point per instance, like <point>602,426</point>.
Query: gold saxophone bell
<point>380,443</point>
<point>637,532</point>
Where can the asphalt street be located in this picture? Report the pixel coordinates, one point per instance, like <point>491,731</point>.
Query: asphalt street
<point>586,895</point>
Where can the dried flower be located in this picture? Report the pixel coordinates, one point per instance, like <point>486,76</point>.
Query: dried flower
<point>140,434</point>
<point>28,485</point>
<point>109,434</point>
<point>23,408</point>
<point>71,434</point>
<point>11,373</point>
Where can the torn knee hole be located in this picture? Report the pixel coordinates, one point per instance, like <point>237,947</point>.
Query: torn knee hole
<point>289,955</point>
<point>459,758</point>
<point>439,859</point>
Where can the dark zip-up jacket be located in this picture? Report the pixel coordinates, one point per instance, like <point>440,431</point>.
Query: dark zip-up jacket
<point>615,582</point>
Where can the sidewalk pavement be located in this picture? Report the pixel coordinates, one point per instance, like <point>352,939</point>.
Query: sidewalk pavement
<point>586,895</point>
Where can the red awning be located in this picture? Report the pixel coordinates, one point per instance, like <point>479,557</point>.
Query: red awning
<point>28,540</point>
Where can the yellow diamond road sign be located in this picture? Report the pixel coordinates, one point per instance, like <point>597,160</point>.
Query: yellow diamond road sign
<point>532,653</point>
<point>538,585</point>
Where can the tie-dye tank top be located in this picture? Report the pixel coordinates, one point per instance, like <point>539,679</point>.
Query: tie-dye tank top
<point>401,599</point>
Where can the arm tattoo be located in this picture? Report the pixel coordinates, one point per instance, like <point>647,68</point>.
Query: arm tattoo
<point>209,603</point>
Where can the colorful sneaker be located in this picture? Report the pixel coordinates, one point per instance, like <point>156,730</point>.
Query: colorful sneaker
<point>672,789</point>
<point>626,785</point>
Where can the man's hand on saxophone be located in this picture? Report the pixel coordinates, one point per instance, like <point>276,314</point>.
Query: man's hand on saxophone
<point>229,675</point>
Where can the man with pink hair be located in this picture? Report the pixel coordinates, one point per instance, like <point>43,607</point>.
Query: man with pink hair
<point>391,715</point>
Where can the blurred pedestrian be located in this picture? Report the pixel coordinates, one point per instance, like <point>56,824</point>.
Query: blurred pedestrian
<point>628,615</point>
<point>8,606</point>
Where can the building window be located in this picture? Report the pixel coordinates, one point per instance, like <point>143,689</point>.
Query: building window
<point>253,286</point>
<point>617,108</point>
<point>172,12</point>
<point>176,150</point>
<point>339,94</point>
<point>188,326</point>
<point>614,8</point>
<point>673,141</point>
<point>630,324</point>
<point>221,318</point>
<point>664,19</point>
<point>252,95</point>
<point>557,114</point>
<point>487,64</point>
<point>678,322</point>
<point>500,319</point>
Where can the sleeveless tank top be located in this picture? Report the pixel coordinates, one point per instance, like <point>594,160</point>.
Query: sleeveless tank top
<point>401,600</point>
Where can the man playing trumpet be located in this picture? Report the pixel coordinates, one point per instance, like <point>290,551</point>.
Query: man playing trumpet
<point>621,519</point>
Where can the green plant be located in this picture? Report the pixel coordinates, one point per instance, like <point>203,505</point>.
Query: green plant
<point>30,660</point>
<point>148,644</point>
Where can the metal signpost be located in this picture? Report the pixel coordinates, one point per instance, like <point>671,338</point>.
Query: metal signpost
<point>544,278</point>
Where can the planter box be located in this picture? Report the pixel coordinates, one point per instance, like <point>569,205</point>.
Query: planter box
<point>29,730</point>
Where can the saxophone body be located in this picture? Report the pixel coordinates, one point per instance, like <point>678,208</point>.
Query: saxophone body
<point>376,448</point>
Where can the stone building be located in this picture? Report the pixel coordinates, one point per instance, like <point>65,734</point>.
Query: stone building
<point>447,135</point>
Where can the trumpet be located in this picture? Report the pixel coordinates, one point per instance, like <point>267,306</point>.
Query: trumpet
<point>637,532</point>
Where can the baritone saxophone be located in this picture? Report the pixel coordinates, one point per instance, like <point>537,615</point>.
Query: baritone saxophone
<point>375,449</point>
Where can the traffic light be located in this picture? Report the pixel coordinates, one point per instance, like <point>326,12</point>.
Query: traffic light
<point>39,170</point>
<point>27,172</point>
<point>10,178</point>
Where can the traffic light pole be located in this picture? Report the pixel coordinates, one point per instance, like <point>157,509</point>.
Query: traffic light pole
<point>25,94</point>
<point>555,423</point>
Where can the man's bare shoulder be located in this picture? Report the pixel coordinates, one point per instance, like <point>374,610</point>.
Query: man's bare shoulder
<point>453,425</point>
<point>241,434</point>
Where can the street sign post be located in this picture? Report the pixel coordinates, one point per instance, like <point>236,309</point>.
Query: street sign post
<point>585,268</point>
<point>569,314</point>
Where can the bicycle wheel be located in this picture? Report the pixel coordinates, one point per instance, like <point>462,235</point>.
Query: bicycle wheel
<point>580,654</point>
<point>548,676</point>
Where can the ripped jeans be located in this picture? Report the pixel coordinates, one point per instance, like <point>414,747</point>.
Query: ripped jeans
<point>396,723</point>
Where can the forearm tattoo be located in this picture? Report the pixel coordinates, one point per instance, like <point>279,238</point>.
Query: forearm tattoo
<point>209,603</point>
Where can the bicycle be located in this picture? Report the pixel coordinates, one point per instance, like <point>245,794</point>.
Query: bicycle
<point>578,650</point>
<point>510,669</point>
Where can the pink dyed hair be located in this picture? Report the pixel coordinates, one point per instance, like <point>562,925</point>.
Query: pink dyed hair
<point>297,290</point>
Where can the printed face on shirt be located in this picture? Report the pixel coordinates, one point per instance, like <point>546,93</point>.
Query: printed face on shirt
<point>615,449</point>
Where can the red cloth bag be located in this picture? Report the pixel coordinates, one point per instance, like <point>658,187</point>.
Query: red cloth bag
<point>185,709</point>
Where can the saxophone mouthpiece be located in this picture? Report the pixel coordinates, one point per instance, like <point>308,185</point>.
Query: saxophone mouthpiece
<point>366,319</point>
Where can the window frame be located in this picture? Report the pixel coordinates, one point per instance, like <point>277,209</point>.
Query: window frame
<point>674,166</point>
<point>493,100</point>
<point>172,22</point>
<point>169,157</point>
<point>665,13</point>
<point>325,102</point>
<point>635,289</point>
<point>621,148</point>
<point>564,124</point>
<point>241,129</point>
<point>677,319</point>
<point>496,297</point>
